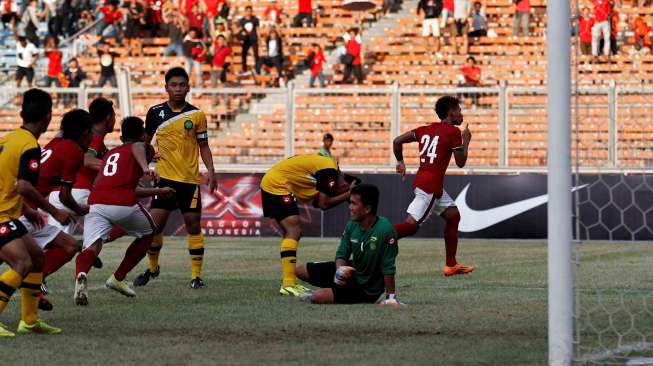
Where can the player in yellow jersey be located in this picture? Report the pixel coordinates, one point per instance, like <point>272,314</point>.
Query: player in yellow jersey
<point>300,179</point>
<point>181,135</point>
<point>20,157</point>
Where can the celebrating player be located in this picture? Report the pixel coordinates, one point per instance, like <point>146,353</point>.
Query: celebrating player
<point>437,142</point>
<point>114,201</point>
<point>181,133</point>
<point>365,260</point>
<point>303,178</point>
<point>19,169</point>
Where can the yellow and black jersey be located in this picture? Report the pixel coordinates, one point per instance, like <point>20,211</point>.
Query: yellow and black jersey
<point>302,175</point>
<point>20,158</point>
<point>177,136</point>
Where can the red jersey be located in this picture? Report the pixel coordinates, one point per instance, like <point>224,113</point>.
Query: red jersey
<point>354,49</point>
<point>436,144</point>
<point>110,16</point>
<point>54,64</point>
<point>317,63</point>
<point>601,10</point>
<point>472,74</point>
<point>585,29</point>
<point>305,6</point>
<point>448,4</point>
<point>86,176</point>
<point>117,179</point>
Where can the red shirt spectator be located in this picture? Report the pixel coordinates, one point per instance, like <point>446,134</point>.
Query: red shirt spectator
<point>199,53</point>
<point>523,6</point>
<point>585,29</point>
<point>212,7</point>
<point>318,62</point>
<point>272,12</point>
<point>641,30</point>
<point>601,10</point>
<point>154,12</point>
<point>448,4</point>
<point>54,64</point>
<point>354,49</point>
<point>221,54</point>
<point>196,18</point>
<point>472,74</point>
<point>111,14</point>
<point>305,6</point>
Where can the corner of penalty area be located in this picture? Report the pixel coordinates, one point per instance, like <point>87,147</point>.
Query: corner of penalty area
<point>358,5</point>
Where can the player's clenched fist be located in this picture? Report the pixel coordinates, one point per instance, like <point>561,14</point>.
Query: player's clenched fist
<point>401,169</point>
<point>466,135</point>
<point>165,192</point>
<point>343,273</point>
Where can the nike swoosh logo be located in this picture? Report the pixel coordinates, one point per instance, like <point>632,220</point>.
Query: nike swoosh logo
<point>474,220</point>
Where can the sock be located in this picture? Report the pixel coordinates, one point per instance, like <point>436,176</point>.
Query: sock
<point>288,252</point>
<point>29,290</point>
<point>196,251</point>
<point>451,239</point>
<point>84,261</point>
<point>153,252</point>
<point>55,258</point>
<point>405,229</point>
<point>133,255</point>
<point>9,282</point>
<point>116,233</point>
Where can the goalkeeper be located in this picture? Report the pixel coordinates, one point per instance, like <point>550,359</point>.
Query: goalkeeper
<point>365,260</point>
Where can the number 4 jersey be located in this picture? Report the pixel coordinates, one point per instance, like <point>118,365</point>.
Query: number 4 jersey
<point>118,178</point>
<point>436,144</point>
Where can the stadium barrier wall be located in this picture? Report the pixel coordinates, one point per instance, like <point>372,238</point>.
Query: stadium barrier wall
<point>497,206</point>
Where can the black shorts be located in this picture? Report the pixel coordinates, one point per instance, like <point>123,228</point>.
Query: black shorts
<point>11,230</point>
<point>187,197</point>
<point>25,72</point>
<point>461,27</point>
<point>279,207</point>
<point>321,274</point>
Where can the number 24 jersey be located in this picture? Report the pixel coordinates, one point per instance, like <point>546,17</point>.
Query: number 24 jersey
<point>436,144</point>
<point>117,179</point>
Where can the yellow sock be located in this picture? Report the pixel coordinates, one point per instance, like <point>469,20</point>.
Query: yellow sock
<point>288,252</point>
<point>9,282</point>
<point>196,251</point>
<point>153,252</point>
<point>30,287</point>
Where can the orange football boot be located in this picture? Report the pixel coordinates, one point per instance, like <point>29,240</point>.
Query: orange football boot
<point>457,270</point>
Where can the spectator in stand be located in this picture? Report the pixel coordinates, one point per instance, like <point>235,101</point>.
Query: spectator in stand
<point>53,19</point>
<point>585,24</point>
<point>641,32</point>
<point>614,29</point>
<point>220,29</point>
<point>175,28</point>
<point>354,60</point>
<point>74,76</point>
<point>471,77</point>
<point>223,10</point>
<point>111,19</point>
<point>219,65</point>
<point>448,8</point>
<point>521,20</point>
<point>273,53</point>
<point>304,14</point>
<point>197,16</point>
<point>461,13</point>
<point>107,66</point>
<point>55,67</point>
<point>26,56</point>
<point>9,10</point>
<point>317,61</point>
<point>272,14</point>
<point>249,36</point>
<point>193,46</point>
<point>154,16</point>
<point>479,21</point>
<point>133,26</point>
<point>432,9</point>
<point>31,20</point>
<point>327,142</point>
<point>602,9</point>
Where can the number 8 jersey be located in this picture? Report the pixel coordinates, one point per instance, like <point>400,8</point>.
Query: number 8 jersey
<point>117,179</point>
<point>436,144</point>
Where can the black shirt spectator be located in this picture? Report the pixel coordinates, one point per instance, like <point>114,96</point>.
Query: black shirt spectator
<point>107,70</point>
<point>249,36</point>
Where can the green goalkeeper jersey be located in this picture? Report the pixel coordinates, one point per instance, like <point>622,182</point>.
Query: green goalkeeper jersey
<point>373,253</point>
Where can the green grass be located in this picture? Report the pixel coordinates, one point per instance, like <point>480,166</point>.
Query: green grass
<point>495,316</point>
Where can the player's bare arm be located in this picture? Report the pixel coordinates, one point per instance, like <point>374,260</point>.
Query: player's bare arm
<point>66,197</point>
<point>398,150</point>
<point>460,153</point>
<point>138,148</point>
<point>325,202</point>
<point>207,158</point>
<point>92,162</point>
<point>28,191</point>
<point>33,216</point>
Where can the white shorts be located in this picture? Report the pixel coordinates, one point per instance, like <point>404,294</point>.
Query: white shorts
<point>80,196</point>
<point>431,27</point>
<point>42,236</point>
<point>424,204</point>
<point>135,220</point>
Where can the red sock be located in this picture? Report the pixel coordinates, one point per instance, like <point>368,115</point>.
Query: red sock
<point>133,255</point>
<point>451,239</point>
<point>405,229</point>
<point>84,261</point>
<point>54,259</point>
<point>116,233</point>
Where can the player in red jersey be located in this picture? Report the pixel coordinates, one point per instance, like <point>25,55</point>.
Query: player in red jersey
<point>114,201</point>
<point>437,142</point>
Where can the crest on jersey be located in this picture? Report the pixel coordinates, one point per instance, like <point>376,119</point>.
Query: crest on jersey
<point>332,183</point>
<point>391,241</point>
<point>4,230</point>
<point>287,199</point>
<point>188,124</point>
<point>34,164</point>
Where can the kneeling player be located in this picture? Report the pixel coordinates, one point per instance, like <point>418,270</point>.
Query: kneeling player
<point>114,201</point>
<point>365,259</point>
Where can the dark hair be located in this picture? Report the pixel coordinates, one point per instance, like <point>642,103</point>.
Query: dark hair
<point>176,71</point>
<point>132,128</point>
<point>328,136</point>
<point>248,7</point>
<point>36,105</point>
<point>369,195</point>
<point>471,58</point>
<point>75,123</point>
<point>477,2</point>
<point>197,31</point>
<point>444,105</point>
<point>100,109</point>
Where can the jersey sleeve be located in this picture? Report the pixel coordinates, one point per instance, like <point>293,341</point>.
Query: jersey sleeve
<point>326,181</point>
<point>388,262</point>
<point>202,128</point>
<point>28,168</point>
<point>150,122</point>
<point>74,161</point>
<point>344,249</point>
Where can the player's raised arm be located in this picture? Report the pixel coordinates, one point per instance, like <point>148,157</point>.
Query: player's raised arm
<point>333,190</point>
<point>398,150</point>
<point>460,152</point>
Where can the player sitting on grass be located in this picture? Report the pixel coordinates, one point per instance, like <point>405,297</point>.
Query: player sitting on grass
<point>365,260</point>
<point>437,142</point>
<point>114,201</point>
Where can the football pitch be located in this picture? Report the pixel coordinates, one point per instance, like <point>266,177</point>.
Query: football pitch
<point>494,316</point>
